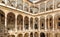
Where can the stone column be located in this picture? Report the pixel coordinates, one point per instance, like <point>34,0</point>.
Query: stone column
<point>23,23</point>
<point>48,24</point>
<point>45,6</point>
<point>29,23</point>
<point>45,23</point>
<point>6,31</point>
<point>33,23</point>
<point>53,4</point>
<point>16,35</point>
<point>16,22</point>
<point>16,3</point>
<point>6,1</point>
<point>53,22</point>
<point>5,21</point>
<point>39,23</point>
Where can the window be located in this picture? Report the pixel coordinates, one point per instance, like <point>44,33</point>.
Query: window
<point>36,27</point>
<point>49,5</point>
<point>26,6</point>
<point>42,35</point>
<point>11,3</point>
<point>42,7</point>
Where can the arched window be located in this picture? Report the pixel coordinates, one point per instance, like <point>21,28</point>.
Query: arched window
<point>11,3</point>
<point>31,34</point>
<point>31,9</point>
<point>34,9</point>
<point>49,22</point>
<point>31,23</point>
<point>36,23</point>
<point>20,35</point>
<point>42,35</point>
<point>42,7</point>
<point>49,5</point>
<point>36,34</point>
<point>26,6</point>
<point>10,21</point>
<point>20,22</point>
<point>20,4</point>
<point>57,21</point>
<point>26,22</point>
<point>57,3</point>
<point>11,35</point>
<point>42,23</point>
<point>2,23</point>
<point>26,35</point>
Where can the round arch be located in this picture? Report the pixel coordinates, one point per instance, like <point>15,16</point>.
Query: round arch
<point>42,34</point>
<point>20,22</point>
<point>57,21</point>
<point>20,35</point>
<point>31,34</point>
<point>31,23</point>
<point>2,23</point>
<point>10,21</point>
<point>26,22</point>
<point>11,35</point>
<point>36,34</point>
<point>36,23</point>
<point>49,22</point>
<point>42,22</point>
<point>26,35</point>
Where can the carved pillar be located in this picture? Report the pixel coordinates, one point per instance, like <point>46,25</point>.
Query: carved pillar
<point>45,23</point>
<point>33,23</point>
<point>29,23</point>
<point>23,24</point>
<point>53,22</point>
<point>16,23</point>
<point>39,24</point>
<point>45,6</point>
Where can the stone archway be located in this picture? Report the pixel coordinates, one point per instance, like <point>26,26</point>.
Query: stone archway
<point>36,23</point>
<point>49,22</point>
<point>26,23</point>
<point>57,21</point>
<point>11,35</point>
<point>36,34</point>
<point>10,21</point>
<point>20,22</point>
<point>2,24</point>
<point>42,22</point>
<point>42,34</point>
<point>31,23</point>
<point>31,34</point>
<point>26,35</point>
<point>20,35</point>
